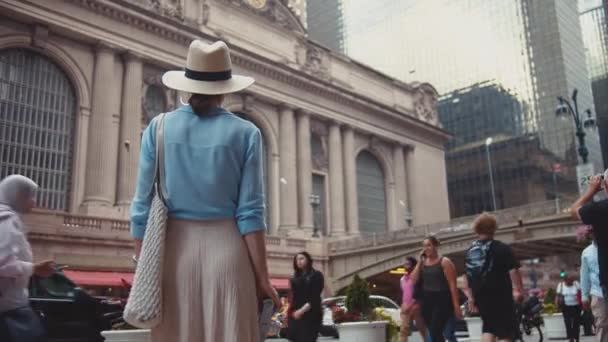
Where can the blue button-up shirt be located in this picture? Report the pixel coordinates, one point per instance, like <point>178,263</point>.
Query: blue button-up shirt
<point>590,273</point>
<point>213,170</point>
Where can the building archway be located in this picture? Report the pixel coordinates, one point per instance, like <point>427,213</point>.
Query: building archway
<point>38,105</point>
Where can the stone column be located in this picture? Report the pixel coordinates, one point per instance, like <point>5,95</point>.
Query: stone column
<point>101,160</point>
<point>350,180</point>
<point>304,170</point>
<point>336,193</point>
<point>391,205</point>
<point>288,171</point>
<point>130,128</point>
<point>409,177</point>
<point>400,185</point>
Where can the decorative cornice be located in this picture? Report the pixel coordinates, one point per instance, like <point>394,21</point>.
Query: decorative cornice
<point>131,56</point>
<point>114,12</point>
<point>301,79</point>
<point>274,11</point>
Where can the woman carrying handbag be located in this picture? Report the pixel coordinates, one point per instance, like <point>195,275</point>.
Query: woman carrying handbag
<point>203,204</point>
<point>567,299</point>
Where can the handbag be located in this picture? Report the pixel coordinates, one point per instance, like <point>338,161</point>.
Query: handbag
<point>21,325</point>
<point>144,306</point>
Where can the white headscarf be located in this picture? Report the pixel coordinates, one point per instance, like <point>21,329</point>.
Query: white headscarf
<point>15,191</point>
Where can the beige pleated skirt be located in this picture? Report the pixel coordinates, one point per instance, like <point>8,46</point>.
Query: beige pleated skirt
<point>209,292</point>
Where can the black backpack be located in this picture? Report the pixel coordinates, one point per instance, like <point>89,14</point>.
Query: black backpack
<point>479,263</point>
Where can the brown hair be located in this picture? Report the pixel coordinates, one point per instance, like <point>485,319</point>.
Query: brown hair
<point>202,104</point>
<point>433,240</point>
<point>485,224</point>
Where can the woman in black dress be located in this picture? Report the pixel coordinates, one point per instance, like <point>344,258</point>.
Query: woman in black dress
<point>305,313</point>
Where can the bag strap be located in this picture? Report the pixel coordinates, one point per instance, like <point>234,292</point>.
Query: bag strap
<point>159,160</point>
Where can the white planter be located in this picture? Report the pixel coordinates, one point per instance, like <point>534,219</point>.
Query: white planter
<point>126,335</point>
<point>362,331</point>
<point>474,326</point>
<point>554,326</point>
<point>144,336</point>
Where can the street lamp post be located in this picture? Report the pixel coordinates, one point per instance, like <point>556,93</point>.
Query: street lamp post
<point>565,109</point>
<point>491,172</point>
<point>315,201</point>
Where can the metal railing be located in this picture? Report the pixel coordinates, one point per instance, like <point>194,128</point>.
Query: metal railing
<point>461,224</point>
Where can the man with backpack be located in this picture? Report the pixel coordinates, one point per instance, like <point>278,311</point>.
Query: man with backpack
<point>493,280</point>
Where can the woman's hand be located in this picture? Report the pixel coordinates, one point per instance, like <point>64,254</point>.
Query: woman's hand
<point>297,315</point>
<point>458,313</point>
<point>137,247</point>
<point>472,307</point>
<point>267,291</point>
<point>44,269</point>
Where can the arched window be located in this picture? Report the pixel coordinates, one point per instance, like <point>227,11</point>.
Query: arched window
<point>155,102</point>
<point>370,194</point>
<point>37,110</point>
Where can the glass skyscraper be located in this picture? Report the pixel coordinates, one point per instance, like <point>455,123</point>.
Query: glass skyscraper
<point>499,66</point>
<point>595,35</point>
<point>325,23</point>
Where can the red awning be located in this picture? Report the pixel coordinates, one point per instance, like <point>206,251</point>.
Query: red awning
<point>280,283</point>
<point>91,278</point>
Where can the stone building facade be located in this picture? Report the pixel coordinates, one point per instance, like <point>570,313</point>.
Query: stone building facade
<point>80,79</point>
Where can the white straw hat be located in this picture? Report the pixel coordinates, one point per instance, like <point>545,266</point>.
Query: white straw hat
<point>208,71</point>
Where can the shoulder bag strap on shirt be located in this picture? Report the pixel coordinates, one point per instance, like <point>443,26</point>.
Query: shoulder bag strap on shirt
<point>159,160</point>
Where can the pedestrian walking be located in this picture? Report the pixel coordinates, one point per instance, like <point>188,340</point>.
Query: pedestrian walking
<point>595,214</point>
<point>305,313</point>
<point>435,278</point>
<point>567,299</point>
<point>18,322</point>
<point>213,184</point>
<point>493,281</point>
<point>410,309</point>
<point>592,295</point>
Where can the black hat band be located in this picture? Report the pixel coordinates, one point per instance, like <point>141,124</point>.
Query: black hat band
<point>208,76</point>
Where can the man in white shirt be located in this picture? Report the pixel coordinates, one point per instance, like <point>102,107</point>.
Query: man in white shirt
<point>592,294</point>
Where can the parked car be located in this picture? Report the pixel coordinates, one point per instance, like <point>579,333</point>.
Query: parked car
<point>386,303</point>
<point>68,313</point>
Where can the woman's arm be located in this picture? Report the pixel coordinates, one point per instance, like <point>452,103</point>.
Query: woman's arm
<point>256,247</point>
<point>450,273</point>
<point>416,272</point>
<point>140,207</point>
<point>250,214</point>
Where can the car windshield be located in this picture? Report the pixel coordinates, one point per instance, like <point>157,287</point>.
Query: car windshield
<point>378,302</point>
<point>56,285</point>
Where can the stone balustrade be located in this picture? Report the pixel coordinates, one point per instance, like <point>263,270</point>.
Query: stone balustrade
<point>455,226</point>
<point>46,224</point>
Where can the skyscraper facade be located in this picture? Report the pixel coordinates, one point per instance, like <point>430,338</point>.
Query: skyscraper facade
<point>325,23</point>
<point>499,66</point>
<point>594,26</point>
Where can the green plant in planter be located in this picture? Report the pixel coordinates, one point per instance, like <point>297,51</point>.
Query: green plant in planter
<point>549,307</point>
<point>392,329</point>
<point>357,298</point>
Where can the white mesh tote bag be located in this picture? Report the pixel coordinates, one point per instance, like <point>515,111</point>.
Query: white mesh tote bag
<point>144,306</point>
